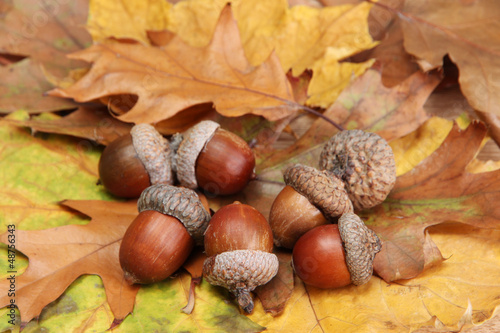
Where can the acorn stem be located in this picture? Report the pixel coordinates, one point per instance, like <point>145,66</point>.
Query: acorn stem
<point>245,300</point>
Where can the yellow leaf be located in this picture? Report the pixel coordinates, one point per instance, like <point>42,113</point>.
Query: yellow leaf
<point>413,148</point>
<point>331,77</point>
<point>126,19</point>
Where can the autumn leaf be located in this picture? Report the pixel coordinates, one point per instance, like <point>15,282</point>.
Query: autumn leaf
<point>468,32</point>
<point>218,73</point>
<point>94,124</point>
<point>39,31</point>
<point>366,104</point>
<point>437,190</point>
<point>59,256</point>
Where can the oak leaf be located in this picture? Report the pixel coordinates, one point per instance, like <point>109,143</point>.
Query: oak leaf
<point>58,256</point>
<point>466,31</point>
<point>173,77</point>
<point>44,32</point>
<point>437,190</point>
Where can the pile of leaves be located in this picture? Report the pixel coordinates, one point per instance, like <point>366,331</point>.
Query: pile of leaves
<point>285,77</point>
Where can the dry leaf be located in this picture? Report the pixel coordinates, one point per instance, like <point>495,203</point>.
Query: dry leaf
<point>468,31</point>
<point>176,76</point>
<point>44,31</point>
<point>58,256</point>
<point>90,123</point>
<point>437,190</point>
<point>368,105</point>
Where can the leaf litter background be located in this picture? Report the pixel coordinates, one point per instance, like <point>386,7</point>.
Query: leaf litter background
<point>39,172</point>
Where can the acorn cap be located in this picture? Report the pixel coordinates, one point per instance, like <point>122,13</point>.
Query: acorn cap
<point>360,245</point>
<point>364,162</point>
<point>323,190</point>
<point>181,203</point>
<point>194,140</point>
<point>241,271</point>
<point>154,152</point>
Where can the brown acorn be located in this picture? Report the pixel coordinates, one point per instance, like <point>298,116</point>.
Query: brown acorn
<point>211,158</point>
<point>331,256</point>
<point>239,242</point>
<point>309,199</point>
<point>135,161</point>
<point>170,223</point>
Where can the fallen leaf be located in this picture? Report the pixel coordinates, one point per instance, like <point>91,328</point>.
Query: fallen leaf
<point>44,32</point>
<point>449,297</point>
<point>465,30</point>
<point>87,249</point>
<point>437,190</point>
<point>95,124</point>
<point>126,19</point>
<point>23,86</point>
<point>366,104</point>
<point>218,73</point>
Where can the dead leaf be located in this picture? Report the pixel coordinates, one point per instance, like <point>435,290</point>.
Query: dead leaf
<point>368,105</point>
<point>468,32</point>
<point>218,73</point>
<point>44,31</point>
<point>23,86</point>
<point>58,256</point>
<point>90,123</point>
<point>437,190</point>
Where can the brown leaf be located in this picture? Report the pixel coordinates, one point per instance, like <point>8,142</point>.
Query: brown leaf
<point>60,255</point>
<point>468,31</point>
<point>275,294</point>
<point>23,86</point>
<point>173,77</point>
<point>439,189</point>
<point>44,31</point>
<point>368,105</point>
<point>90,123</point>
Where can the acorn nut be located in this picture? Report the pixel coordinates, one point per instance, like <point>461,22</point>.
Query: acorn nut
<point>238,243</point>
<point>211,158</point>
<point>135,161</point>
<point>309,199</point>
<point>333,256</point>
<point>364,162</point>
<point>170,223</point>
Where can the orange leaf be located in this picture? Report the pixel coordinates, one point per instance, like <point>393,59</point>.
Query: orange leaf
<point>60,255</point>
<point>170,78</point>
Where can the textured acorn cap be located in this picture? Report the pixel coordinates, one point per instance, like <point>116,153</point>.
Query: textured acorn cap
<point>241,271</point>
<point>360,245</point>
<point>154,152</point>
<point>323,190</point>
<point>194,140</point>
<point>365,162</point>
<point>181,203</point>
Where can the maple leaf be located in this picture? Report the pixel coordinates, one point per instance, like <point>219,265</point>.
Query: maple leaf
<point>465,30</point>
<point>39,32</point>
<point>167,81</point>
<point>437,190</point>
<point>58,256</point>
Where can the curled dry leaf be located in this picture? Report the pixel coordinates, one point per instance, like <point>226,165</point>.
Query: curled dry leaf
<point>170,78</point>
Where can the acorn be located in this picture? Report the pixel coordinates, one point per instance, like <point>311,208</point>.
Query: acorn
<point>309,199</point>
<point>131,163</point>
<point>334,256</point>
<point>213,159</point>
<point>170,223</point>
<point>364,162</point>
<point>239,244</point>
